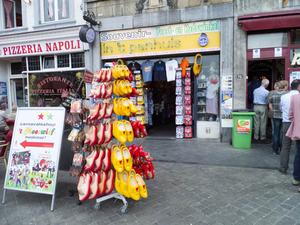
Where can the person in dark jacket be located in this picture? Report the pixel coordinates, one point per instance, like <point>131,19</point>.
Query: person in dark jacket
<point>254,84</point>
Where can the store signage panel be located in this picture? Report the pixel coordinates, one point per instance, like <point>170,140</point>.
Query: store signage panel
<point>35,150</point>
<point>278,52</point>
<point>160,45</point>
<point>162,31</point>
<point>256,53</point>
<point>41,48</point>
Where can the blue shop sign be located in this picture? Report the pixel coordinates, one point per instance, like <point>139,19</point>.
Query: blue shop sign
<point>203,40</point>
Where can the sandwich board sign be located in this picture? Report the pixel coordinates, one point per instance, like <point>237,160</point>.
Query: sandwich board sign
<point>35,151</point>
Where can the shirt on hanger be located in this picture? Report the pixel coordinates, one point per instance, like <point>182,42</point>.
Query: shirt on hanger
<point>147,68</point>
<point>134,66</point>
<point>184,64</point>
<point>171,66</point>
<point>159,71</point>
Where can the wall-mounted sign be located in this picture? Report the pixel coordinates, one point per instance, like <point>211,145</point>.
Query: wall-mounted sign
<point>278,52</point>
<point>87,34</point>
<point>170,39</point>
<point>239,76</point>
<point>41,48</point>
<point>203,40</point>
<point>88,77</point>
<point>256,53</point>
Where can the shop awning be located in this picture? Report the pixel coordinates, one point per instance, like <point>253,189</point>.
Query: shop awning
<point>271,20</point>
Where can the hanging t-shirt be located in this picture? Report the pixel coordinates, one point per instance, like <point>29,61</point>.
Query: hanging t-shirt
<point>184,64</point>
<point>171,66</point>
<point>159,71</point>
<point>133,66</point>
<point>147,68</point>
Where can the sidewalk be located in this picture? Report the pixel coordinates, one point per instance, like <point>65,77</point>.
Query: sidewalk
<point>196,182</point>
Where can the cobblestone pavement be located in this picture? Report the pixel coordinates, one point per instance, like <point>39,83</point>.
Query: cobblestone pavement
<point>196,182</point>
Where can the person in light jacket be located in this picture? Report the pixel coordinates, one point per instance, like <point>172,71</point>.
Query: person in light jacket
<point>294,133</point>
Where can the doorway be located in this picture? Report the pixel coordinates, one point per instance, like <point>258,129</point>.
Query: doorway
<point>19,92</point>
<point>271,69</point>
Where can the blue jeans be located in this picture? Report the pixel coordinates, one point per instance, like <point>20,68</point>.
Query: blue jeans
<point>277,137</point>
<point>297,162</point>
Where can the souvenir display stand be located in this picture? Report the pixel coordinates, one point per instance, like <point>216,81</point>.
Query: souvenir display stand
<point>106,167</point>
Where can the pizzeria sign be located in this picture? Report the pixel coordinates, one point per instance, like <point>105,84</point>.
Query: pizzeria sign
<point>41,48</point>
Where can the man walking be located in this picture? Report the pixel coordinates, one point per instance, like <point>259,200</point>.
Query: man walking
<point>286,141</point>
<point>294,133</point>
<point>274,105</point>
<point>260,108</point>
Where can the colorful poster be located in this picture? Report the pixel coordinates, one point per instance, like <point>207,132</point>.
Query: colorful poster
<point>243,126</point>
<point>35,150</point>
<point>3,93</point>
<point>226,106</point>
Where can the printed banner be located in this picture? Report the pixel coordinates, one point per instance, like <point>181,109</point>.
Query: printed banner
<point>35,150</point>
<point>196,37</point>
<point>243,126</point>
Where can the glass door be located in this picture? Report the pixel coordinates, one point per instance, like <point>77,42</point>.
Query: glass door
<point>19,92</point>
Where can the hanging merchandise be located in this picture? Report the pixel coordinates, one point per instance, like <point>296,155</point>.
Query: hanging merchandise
<point>159,69</point>
<point>197,66</point>
<point>184,64</point>
<point>147,68</point>
<point>133,66</point>
<point>98,161</point>
<point>171,67</point>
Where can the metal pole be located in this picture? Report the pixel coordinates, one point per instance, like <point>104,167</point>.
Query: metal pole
<point>3,198</point>
<point>52,203</point>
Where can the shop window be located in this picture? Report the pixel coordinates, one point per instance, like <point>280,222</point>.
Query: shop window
<point>34,63</point>
<point>295,58</point>
<point>63,61</point>
<point>295,37</point>
<point>208,87</point>
<point>24,67</point>
<point>269,40</point>
<point>77,60</point>
<point>12,13</point>
<point>54,10</point>
<point>16,68</point>
<point>48,62</point>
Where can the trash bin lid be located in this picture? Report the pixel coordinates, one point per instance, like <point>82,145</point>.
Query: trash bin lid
<point>242,110</point>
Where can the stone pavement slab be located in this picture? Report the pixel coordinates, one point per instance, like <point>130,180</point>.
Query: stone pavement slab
<point>187,189</point>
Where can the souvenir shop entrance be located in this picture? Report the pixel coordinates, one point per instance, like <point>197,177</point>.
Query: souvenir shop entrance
<point>171,101</point>
<point>152,77</point>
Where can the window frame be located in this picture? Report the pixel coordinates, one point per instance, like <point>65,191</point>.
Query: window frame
<point>2,19</point>
<point>55,11</point>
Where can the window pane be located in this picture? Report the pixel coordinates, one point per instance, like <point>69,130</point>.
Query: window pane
<point>295,58</point>
<point>77,60</point>
<point>48,62</point>
<point>267,40</point>
<point>16,68</point>
<point>24,68</point>
<point>34,63</point>
<point>9,9</point>
<point>19,22</point>
<point>49,10</point>
<point>63,61</point>
<point>295,37</point>
<point>63,9</point>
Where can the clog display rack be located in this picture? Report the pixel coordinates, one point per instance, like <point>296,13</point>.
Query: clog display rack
<point>110,169</point>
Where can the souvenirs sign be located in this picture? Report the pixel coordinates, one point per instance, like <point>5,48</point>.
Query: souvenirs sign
<point>35,150</point>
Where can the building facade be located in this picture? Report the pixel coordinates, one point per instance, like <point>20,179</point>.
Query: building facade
<point>40,51</point>
<point>159,30</point>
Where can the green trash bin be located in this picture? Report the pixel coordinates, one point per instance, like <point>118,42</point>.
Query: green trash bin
<point>242,128</point>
